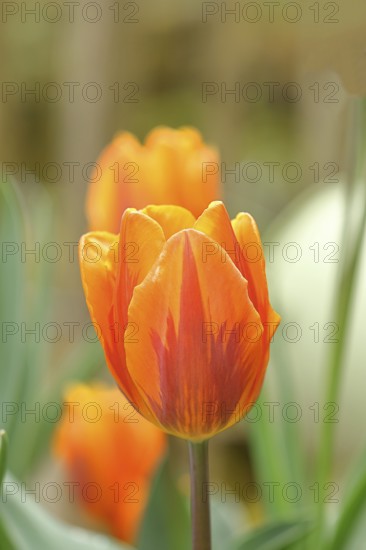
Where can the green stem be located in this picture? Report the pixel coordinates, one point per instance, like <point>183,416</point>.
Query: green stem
<point>200,505</point>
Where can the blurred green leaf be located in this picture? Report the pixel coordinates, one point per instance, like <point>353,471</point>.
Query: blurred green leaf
<point>227,523</point>
<point>28,526</point>
<point>35,360</point>
<point>3,453</point>
<point>278,536</point>
<point>285,462</point>
<point>80,365</point>
<point>166,524</point>
<point>12,295</point>
<point>352,510</point>
<point>28,363</point>
<point>354,230</point>
<point>270,466</point>
<point>5,543</point>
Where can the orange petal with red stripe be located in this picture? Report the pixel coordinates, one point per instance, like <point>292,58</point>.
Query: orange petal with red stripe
<point>199,339</point>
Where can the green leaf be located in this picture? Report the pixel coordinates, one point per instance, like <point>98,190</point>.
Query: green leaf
<point>29,526</point>
<point>27,381</point>
<point>81,364</point>
<point>354,230</point>
<point>285,463</point>
<point>166,524</point>
<point>228,523</point>
<point>352,511</point>
<point>12,295</point>
<point>5,543</point>
<point>37,356</point>
<point>3,453</point>
<point>279,536</point>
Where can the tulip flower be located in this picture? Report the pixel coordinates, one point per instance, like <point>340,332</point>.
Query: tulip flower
<point>171,167</point>
<point>110,453</point>
<point>182,310</point>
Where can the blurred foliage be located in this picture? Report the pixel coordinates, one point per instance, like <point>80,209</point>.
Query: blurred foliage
<point>27,380</point>
<point>31,527</point>
<point>279,536</point>
<point>3,453</point>
<point>166,524</point>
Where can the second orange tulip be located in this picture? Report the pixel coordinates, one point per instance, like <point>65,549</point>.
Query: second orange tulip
<point>172,167</point>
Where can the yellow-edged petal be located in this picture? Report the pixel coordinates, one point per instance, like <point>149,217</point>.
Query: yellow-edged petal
<point>99,271</point>
<point>98,274</point>
<point>171,218</point>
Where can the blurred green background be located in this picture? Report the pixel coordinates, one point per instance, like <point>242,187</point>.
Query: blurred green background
<point>290,132</point>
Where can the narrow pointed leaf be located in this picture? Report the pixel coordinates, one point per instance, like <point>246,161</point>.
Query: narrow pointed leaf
<point>166,524</point>
<point>27,525</point>
<point>278,536</point>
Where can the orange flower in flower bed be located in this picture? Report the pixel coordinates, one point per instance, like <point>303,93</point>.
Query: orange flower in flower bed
<point>111,452</point>
<point>183,314</point>
<point>171,167</point>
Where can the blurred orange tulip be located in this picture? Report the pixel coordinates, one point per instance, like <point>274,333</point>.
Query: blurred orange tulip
<point>183,314</point>
<point>109,448</point>
<point>172,167</point>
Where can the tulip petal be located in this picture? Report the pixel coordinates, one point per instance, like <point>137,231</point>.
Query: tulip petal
<point>196,364</point>
<point>140,242</point>
<point>215,223</point>
<point>173,166</point>
<point>253,269</point>
<point>241,240</point>
<point>171,218</point>
<point>253,266</point>
<point>115,183</point>
<point>99,270</point>
<point>96,452</point>
<point>181,169</point>
<point>186,138</point>
<point>98,273</point>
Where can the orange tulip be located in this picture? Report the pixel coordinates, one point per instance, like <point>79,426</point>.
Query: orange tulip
<point>111,453</point>
<point>183,314</point>
<point>172,167</point>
